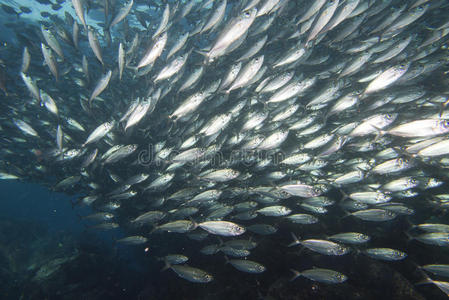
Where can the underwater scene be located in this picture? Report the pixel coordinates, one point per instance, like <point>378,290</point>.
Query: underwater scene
<point>224,149</point>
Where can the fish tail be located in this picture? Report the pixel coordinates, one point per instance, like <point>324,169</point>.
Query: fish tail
<point>345,196</point>
<point>425,280</point>
<point>154,229</point>
<point>380,133</point>
<point>167,266</point>
<point>295,240</point>
<point>296,274</point>
<point>195,224</point>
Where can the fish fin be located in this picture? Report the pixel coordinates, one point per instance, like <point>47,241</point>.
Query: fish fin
<point>429,28</point>
<point>154,229</point>
<point>296,274</point>
<point>347,214</point>
<point>202,52</point>
<point>345,196</point>
<point>295,240</point>
<point>444,105</point>
<point>194,223</point>
<point>403,152</point>
<point>361,170</point>
<point>226,260</point>
<point>205,54</point>
<point>380,133</point>
<point>372,189</point>
<point>426,279</point>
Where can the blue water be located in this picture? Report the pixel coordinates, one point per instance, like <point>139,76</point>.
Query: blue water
<point>31,202</point>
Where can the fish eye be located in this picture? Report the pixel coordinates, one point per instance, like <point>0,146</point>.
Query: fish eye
<point>247,14</point>
<point>445,124</point>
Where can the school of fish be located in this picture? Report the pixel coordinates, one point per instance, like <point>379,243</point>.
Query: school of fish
<point>230,120</point>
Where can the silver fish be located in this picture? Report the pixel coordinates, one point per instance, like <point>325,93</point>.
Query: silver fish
<point>102,84</point>
<point>222,228</point>
<point>123,12</point>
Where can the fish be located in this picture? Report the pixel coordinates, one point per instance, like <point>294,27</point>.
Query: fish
<point>215,17</point>
<point>121,60</point>
<point>385,254</point>
<point>192,274</point>
<point>437,269</point>
<point>25,128</point>
<point>172,67</point>
<point>149,217</point>
<point>350,238</point>
<point>95,44</point>
<point>50,61</point>
<point>374,214</point>
<point>26,59</point>
<point>322,20</point>
<point>122,13</point>
<point>179,226</point>
<point>51,41</point>
<point>222,228</point>
<point>233,30</point>
<point>6,176</point>
<point>154,51</point>
<point>133,240</point>
<point>175,259</point>
<point>386,78</point>
<point>102,84</point>
<point>302,219</point>
<point>75,34</point>
<point>321,275</point>
<point>79,9</point>
<point>164,22</point>
<point>442,285</point>
<point>99,133</point>
<point>433,238</point>
<point>321,246</point>
<point>31,86</point>
<point>301,190</point>
<point>246,265</point>
<point>274,211</point>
